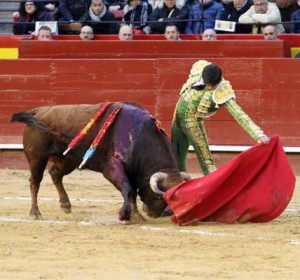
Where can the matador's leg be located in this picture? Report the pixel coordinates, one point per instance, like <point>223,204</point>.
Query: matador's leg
<point>198,138</point>
<point>180,144</point>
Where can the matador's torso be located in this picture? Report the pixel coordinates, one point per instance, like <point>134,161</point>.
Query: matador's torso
<point>204,103</point>
<point>200,104</point>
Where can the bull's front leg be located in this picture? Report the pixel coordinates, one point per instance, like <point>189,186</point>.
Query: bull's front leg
<point>115,173</point>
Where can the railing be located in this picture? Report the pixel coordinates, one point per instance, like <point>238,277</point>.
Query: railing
<point>67,27</point>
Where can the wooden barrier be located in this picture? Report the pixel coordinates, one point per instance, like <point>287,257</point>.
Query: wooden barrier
<point>292,39</point>
<point>268,89</point>
<point>152,49</point>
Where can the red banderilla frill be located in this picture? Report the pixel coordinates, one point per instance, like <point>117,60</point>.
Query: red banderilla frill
<point>89,153</point>
<point>85,130</point>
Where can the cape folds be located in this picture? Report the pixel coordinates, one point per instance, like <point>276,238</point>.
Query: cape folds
<point>256,186</point>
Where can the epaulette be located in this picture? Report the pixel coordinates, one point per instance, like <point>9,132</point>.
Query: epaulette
<point>223,93</point>
<point>195,74</point>
<point>198,66</point>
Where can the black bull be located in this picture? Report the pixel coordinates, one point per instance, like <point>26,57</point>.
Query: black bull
<point>132,151</point>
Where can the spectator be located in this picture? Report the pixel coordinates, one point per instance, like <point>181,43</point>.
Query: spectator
<point>233,10</point>
<point>270,32</point>
<point>166,12</point>
<point>73,10</point>
<point>29,12</point>
<point>52,7</point>
<point>100,18</point>
<point>295,22</point>
<point>203,94</point>
<point>202,17</point>
<point>171,32</point>
<point>286,8</point>
<point>86,33</point>
<point>116,8</point>
<point>262,13</point>
<point>136,13</point>
<point>44,33</point>
<point>209,35</point>
<point>125,33</point>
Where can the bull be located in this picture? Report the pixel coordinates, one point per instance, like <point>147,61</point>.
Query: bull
<point>135,155</point>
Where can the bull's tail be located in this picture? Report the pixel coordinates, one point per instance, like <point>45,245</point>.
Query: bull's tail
<point>29,119</point>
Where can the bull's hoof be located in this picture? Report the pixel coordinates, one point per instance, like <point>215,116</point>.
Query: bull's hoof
<point>35,213</point>
<point>125,214</point>
<point>66,207</point>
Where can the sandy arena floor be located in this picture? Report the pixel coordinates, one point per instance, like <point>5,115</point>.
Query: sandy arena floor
<point>90,243</point>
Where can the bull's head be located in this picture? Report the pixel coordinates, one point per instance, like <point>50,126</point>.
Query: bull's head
<point>154,204</point>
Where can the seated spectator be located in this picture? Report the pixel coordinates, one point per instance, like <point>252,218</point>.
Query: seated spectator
<point>233,10</point>
<point>52,7</point>
<point>86,33</point>
<point>295,22</point>
<point>172,32</point>
<point>100,18</point>
<point>262,13</point>
<point>44,33</point>
<point>166,12</point>
<point>270,32</point>
<point>116,8</point>
<point>136,13</point>
<point>72,10</point>
<point>125,33</point>
<point>29,12</point>
<point>286,8</point>
<point>203,17</point>
<point>209,35</point>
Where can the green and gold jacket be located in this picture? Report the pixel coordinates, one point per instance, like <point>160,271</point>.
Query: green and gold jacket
<point>201,104</point>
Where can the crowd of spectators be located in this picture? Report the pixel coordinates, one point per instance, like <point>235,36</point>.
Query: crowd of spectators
<point>153,16</point>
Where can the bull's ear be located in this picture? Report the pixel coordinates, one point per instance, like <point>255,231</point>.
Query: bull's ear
<point>155,179</point>
<point>185,176</point>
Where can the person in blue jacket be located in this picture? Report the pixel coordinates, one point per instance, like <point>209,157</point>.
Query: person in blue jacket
<point>295,22</point>
<point>202,15</point>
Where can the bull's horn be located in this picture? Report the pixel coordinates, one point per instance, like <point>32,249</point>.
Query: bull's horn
<point>155,178</point>
<point>185,176</point>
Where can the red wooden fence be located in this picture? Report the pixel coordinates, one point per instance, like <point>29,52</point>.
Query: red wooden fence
<point>267,88</point>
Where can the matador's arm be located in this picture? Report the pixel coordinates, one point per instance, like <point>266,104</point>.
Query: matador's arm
<point>244,120</point>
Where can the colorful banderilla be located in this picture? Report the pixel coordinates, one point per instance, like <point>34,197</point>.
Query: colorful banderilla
<point>89,153</point>
<point>85,130</point>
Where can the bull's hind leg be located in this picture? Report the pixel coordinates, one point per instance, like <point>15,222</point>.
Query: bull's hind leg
<point>37,168</point>
<point>57,173</point>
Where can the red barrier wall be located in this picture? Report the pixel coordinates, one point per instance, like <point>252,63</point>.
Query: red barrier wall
<point>268,89</point>
<point>152,49</point>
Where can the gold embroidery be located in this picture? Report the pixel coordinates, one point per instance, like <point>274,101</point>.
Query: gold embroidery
<point>223,93</point>
<point>195,74</point>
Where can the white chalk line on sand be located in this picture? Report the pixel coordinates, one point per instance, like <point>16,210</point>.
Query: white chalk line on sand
<point>111,201</point>
<point>215,234</point>
<point>109,221</point>
<point>26,198</point>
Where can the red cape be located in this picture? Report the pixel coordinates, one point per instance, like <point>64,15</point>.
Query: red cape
<point>256,186</point>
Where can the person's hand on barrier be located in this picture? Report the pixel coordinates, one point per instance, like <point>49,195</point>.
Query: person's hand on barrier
<point>75,26</point>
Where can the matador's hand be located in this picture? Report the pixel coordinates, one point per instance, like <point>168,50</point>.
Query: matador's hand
<point>264,139</point>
